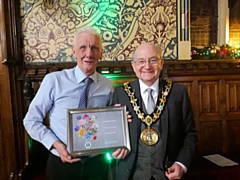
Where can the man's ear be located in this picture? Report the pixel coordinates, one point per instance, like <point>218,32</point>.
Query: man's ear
<point>133,66</point>
<point>162,62</point>
<point>74,52</point>
<point>101,55</point>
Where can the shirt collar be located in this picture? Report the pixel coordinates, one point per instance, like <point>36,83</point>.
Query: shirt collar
<point>80,76</point>
<point>154,86</point>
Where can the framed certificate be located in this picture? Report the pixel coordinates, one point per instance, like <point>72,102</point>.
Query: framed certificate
<point>93,131</point>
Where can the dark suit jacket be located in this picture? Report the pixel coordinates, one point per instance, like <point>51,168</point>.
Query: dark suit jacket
<point>178,129</point>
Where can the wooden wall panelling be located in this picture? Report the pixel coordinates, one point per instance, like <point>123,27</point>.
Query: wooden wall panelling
<point>9,135</point>
<point>2,31</point>
<point>209,116</point>
<point>232,112</point>
<point>232,96</point>
<point>227,113</point>
<point>8,164</point>
<point>210,140</point>
<point>1,134</point>
<point>233,138</point>
<point>215,102</point>
<point>208,98</point>
<point>222,107</point>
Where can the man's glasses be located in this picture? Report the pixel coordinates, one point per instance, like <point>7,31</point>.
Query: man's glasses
<point>143,62</point>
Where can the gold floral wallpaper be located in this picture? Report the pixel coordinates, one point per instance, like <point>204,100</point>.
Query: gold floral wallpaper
<point>48,28</point>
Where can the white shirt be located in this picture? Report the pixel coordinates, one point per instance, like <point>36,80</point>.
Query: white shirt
<point>144,94</point>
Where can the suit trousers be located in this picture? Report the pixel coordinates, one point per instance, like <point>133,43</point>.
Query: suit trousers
<point>94,168</point>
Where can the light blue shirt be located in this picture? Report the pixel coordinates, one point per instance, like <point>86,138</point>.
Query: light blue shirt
<point>58,92</point>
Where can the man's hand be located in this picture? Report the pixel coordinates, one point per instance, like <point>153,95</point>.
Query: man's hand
<point>129,117</point>
<point>63,153</point>
<point>120,153</point>
<point>175,172</point>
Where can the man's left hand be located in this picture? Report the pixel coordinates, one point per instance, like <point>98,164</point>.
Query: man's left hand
<point>175,172</point>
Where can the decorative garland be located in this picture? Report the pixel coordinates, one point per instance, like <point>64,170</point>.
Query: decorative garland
<point>215,52</point>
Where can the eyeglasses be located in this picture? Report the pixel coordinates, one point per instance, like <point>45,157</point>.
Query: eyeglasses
<point>142,62</point>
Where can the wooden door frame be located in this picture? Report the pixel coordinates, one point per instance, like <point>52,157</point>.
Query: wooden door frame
<point>12,135</point>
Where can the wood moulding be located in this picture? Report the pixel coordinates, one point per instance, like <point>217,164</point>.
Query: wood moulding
<point>171,68</point>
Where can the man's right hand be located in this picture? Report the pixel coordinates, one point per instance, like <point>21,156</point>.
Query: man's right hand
<point>120,153</point>
<point>63,153</point>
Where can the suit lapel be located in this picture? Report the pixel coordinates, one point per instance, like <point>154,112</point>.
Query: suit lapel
<point>164,115</point>
<point>136,89</point>
<point>136,124</point>
<point>164,122</point>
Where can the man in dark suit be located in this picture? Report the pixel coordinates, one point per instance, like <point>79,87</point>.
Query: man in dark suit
<point>163,137</point>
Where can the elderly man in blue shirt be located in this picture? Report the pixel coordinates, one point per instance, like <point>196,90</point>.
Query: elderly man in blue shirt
<point>60,91</point>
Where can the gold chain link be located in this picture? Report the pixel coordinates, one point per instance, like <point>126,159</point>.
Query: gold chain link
<point>148,120</point>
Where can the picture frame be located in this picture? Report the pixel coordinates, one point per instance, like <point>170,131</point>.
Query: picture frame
<point>92,131</point>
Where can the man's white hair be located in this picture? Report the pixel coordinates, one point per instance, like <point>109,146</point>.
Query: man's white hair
<point>89,30</point>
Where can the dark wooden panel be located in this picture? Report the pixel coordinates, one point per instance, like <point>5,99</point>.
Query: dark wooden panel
<point>2,173</point>
<point>210,140</point>
<point>233,135</point>
<point>209,97</point>
<point>232,96</point>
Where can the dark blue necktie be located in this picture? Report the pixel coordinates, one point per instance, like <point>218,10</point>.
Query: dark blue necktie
<point>83,102</point>
<point>84,95</point>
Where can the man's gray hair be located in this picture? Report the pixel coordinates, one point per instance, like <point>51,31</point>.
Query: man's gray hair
<point>89,30</point>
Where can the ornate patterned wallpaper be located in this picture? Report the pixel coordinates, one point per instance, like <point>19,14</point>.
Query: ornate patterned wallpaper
<point>48,29</point>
